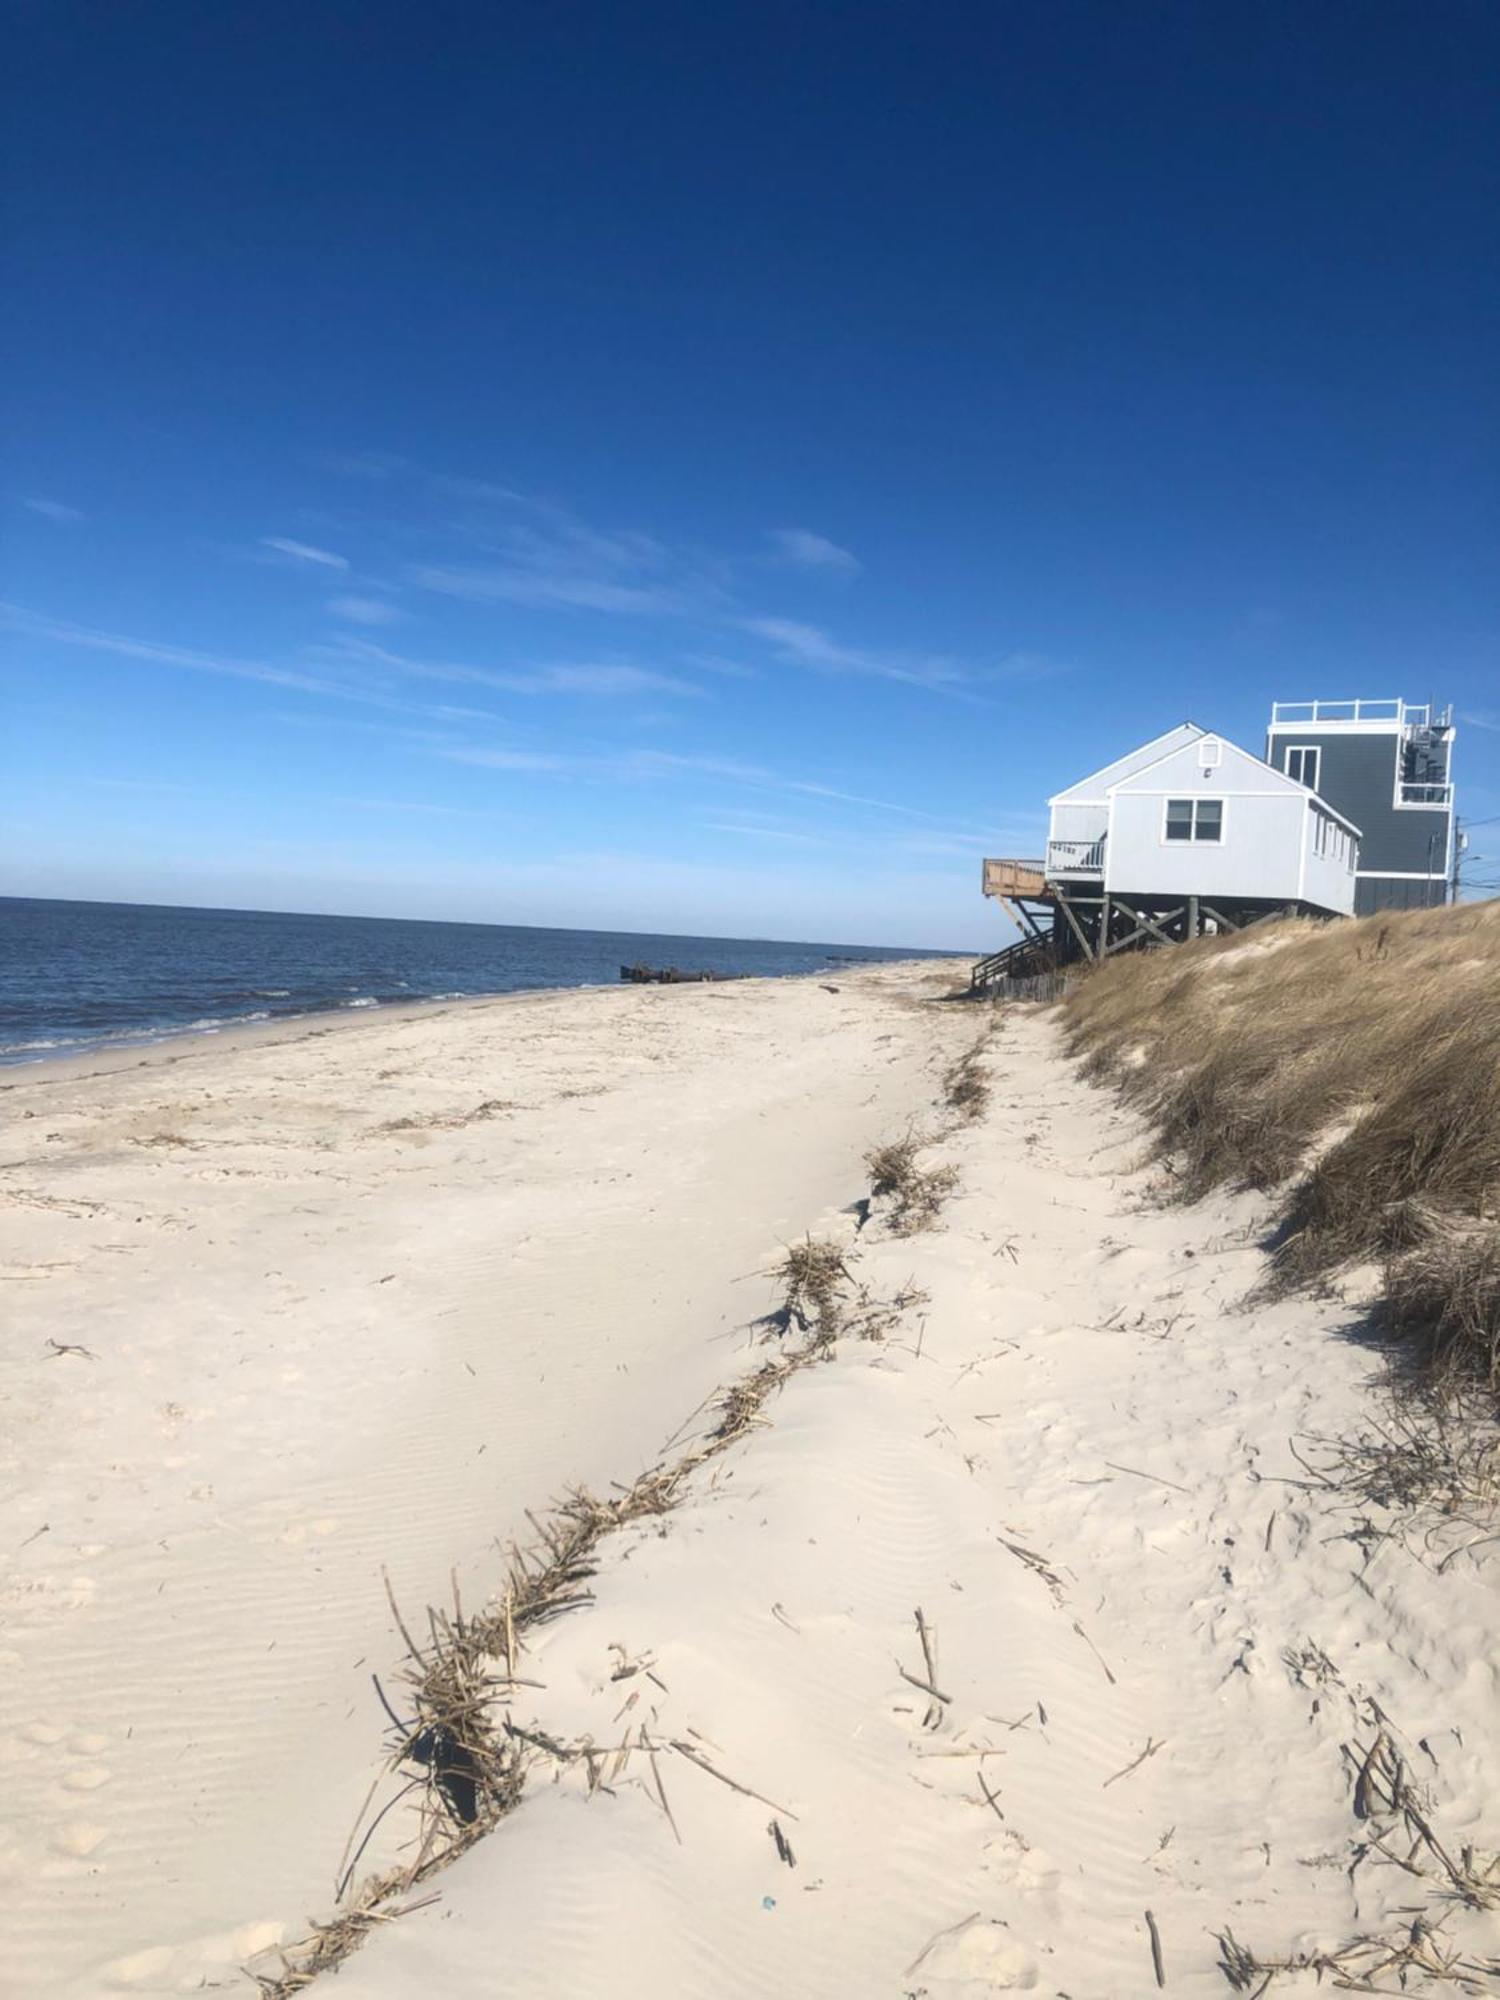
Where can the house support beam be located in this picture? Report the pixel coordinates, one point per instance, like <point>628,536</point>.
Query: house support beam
<point>1156,927</point>
<point>1026,921</point>
<point>1078,931</point>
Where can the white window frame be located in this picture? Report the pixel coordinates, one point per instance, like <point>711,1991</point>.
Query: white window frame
<point>1194,839</point>
<point>1313,750</point>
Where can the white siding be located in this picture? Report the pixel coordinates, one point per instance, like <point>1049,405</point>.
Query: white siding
<point>1078,822</point>
<point>1268,849</point>
<point>1259,855</point>
<point>1329,877</point>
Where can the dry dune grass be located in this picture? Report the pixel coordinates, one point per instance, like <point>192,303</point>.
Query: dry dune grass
<point>1355,1068</point>
<point>915,1193</point>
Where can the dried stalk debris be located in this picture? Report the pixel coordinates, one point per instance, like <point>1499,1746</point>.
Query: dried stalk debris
<point>1396,1815</point>
<point>461,1749</point>
<point>966,1084</point>
<point>463,1753</point>
<point>916,1193</point>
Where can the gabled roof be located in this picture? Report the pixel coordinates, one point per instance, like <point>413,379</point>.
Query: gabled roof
<point>1140,770</point>
<point>1092,790</point>
<point>1167,770</point>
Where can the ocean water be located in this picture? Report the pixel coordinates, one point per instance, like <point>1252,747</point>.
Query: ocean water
<point>74,976</point>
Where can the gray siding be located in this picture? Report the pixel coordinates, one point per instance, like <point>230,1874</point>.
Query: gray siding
<point>1372,893</point>
<point>1357,776</point>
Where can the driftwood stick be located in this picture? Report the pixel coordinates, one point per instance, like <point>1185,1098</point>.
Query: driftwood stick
<point>1152,1746</point>
<point>661,1790</point>
<point>687,1750</point>
<point>1136,1473</point>
<point>1156,1959</point>
<point>927,1687</point>
<point>411,1645</point>
<point>1095,1651</point>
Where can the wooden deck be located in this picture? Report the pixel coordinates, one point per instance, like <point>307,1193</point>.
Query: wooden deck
<point>1015,878</point>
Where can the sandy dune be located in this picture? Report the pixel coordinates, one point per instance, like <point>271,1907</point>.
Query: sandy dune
<point>1162,1650</point>
<point>351,1297</point>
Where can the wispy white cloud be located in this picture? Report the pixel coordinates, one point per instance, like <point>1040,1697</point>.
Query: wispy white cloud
<point>644,766</point>
<point>542,556</point>
<point>801,549</point>
<point>303,552</point>
<point>788,836</point>
<point>507,760</point>
<point>1024,666</point>
<point>362,464</point>
<point>650,763</point>
<point>601,678</point>
<point>631,765</point>
<point>1481,718</point>
<point>810,646</point>
<point>60,632</point>
<point>55,510</point>
<point>715,663</point>
<point>573,588</point>
<point>806,645</point>
<point>364,610</point>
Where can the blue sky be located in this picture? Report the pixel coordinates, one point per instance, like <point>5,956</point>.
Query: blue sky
<point>718,469</point>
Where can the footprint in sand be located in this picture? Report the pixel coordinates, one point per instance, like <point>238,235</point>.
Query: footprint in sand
<point>139,1967</point>
<point>186,1967</point>
<point>298,1531</point>
<point>78,1839</point>
<point>87,1778</point>
<point>977,1956</point>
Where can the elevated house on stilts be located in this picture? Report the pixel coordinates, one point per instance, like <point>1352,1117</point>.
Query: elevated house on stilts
<point>1187,834</point>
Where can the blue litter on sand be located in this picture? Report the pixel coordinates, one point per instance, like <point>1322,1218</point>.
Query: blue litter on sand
<point>768,1902</point>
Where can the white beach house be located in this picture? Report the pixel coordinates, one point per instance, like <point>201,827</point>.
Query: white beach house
<point>1187,833</point>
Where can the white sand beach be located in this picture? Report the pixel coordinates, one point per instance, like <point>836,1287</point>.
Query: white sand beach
<point>367,1319</point>
<point>352,1296</point>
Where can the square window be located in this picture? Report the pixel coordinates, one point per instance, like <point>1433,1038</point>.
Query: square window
<point>1180,819</point>
<point>1209,824</point>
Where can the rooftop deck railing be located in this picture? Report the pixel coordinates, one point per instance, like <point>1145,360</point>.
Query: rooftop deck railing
<point>1410,715</point>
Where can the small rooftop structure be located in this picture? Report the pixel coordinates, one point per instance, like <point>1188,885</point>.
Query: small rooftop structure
<point>1388,765</point>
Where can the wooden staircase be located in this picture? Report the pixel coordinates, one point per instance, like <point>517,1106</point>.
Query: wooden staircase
<point>1026,959</point>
